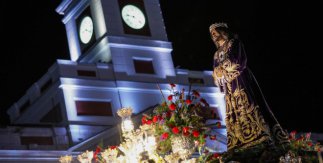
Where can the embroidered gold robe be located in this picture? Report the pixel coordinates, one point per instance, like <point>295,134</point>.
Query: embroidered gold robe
<point>249,119</point>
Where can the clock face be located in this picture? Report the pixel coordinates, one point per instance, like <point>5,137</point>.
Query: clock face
<point>133,16</point>
<point>86,29</point>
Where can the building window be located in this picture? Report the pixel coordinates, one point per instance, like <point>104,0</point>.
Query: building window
<point>40,140</point>
<point>86,73</point>
<point>94,108</point>
<point>144,66</point>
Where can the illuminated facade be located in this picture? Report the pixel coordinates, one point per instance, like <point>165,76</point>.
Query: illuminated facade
<point>119,53</point>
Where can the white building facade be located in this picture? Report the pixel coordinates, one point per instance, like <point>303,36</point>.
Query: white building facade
<point>119,57</point>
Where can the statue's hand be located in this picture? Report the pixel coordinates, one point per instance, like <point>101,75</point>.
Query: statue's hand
<point>218,75</point>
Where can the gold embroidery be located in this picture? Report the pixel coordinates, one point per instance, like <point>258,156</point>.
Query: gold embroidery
<point>230,70</point>
<point>280,135</point>
<point>245,125</point>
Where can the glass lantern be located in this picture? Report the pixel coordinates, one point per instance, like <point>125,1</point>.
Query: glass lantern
<point>126,124</point>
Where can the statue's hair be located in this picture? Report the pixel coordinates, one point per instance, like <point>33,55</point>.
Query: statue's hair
<point>216,25</point>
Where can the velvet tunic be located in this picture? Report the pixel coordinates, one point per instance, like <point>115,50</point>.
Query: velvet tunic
<point>249,120</point>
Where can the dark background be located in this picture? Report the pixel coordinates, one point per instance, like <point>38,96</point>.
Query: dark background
<point>282,41</point>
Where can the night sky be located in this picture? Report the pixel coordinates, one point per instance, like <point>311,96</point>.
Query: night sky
<point>282,41</point>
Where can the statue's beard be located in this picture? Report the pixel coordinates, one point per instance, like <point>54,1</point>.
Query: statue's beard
<point>217,44</point>
<point>216,41</point>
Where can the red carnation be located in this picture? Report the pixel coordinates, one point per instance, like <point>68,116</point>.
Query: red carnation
<point>170,97</point>
<point>143,120</point>
<point>113,147</point>
<point>188,101</point>
<point>196,133</point>
<point>172,107</point>
<point>148,122</point>
<point>186,131</point>
<point>97,151</point>
<point>168,114</point>
<point>164,136</point>
<point>216,155</point>
<point>293,134</point>
<point>175,130</point>
<point>172,85</point>
<point>155,118</point>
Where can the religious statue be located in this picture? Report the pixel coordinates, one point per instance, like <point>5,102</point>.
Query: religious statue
<point>249,119</point>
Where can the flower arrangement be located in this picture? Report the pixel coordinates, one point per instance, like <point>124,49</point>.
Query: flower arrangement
<point>300,149</point>
<point>170,134</point>
<point>178,122</point>
<point>302,143</point>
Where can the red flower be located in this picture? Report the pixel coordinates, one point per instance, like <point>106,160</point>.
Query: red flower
<point>97,151</point>
<point>196,93</point>
<point>188,101</point>
<point>175,130</point>
<point>160,117</point>
<point>212,137</point>
<point>170,97</point>
<point>172,106</point>
<point>144,120</point>
<point>148,122</point>
<point>172,85</point>
<point>196,133</point>
<point>309,144</point>
<point>164,136</point>
<point>216,155</point>
<point>292,134</point>
<point>168,114</point>
<point>113,147</point>
<point>186,131</point>
<point>155,118</point>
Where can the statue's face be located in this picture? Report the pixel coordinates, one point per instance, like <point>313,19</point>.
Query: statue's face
<point>214,35</point>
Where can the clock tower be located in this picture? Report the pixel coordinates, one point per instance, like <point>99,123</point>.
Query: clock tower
<point>119,52</point>
<point>130,34</point>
